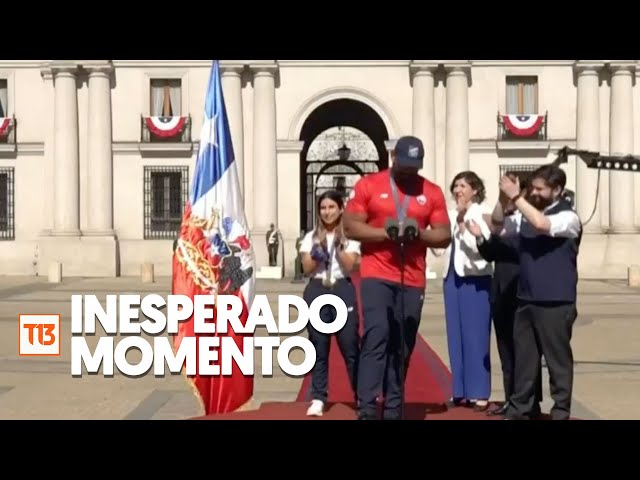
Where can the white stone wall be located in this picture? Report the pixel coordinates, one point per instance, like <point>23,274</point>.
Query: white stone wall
<point>79,159</point>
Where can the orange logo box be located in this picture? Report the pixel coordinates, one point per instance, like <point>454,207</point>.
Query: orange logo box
<point>39,335</point>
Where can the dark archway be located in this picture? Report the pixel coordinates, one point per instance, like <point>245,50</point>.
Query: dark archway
<point>339,113</point>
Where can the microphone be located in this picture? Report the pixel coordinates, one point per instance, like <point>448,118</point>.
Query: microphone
<point>393,229</point>
<point>410,230</point>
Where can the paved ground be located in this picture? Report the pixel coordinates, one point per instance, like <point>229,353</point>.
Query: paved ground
<point>606,345</point>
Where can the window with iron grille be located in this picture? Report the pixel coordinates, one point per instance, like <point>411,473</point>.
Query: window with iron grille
<point>523,170</point>
<point>166,191</point>
<point>519,169</point>
<point>7,225</point>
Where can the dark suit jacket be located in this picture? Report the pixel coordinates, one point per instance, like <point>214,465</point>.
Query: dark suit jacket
<point>503,252</point>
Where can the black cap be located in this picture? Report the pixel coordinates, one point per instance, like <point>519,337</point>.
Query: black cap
<point>409,152</point>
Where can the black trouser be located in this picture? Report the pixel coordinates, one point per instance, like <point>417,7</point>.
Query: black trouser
<point>348,338</point>
<point>379,372</point>
<point>273,254</point>
<point>504,312</point>
<point>543,329</point>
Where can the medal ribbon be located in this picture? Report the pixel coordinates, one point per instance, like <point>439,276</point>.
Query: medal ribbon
<point>401,210</point>
<point>329,262</point>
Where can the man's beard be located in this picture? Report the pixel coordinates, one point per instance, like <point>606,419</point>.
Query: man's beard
<point>403,177</point>
<point>540,202</point>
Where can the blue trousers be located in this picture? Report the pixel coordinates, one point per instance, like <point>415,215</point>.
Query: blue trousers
<point>379,372</point>
<point>468,319</point>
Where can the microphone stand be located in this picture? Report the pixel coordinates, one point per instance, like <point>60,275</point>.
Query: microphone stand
<point>402,236</point>
<point>401,330</point>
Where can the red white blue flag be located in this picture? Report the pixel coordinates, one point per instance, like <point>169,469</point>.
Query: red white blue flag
<point>523,125</point>
<point>166,126</point>
<point>214,255</point>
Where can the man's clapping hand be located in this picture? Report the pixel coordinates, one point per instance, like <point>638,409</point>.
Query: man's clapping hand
<point>510,187</point>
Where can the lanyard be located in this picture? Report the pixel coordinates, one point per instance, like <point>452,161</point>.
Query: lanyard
<point>401,210</point>
<point>329,262</point>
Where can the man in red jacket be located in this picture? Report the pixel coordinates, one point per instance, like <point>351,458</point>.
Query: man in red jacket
<point>397,193</point>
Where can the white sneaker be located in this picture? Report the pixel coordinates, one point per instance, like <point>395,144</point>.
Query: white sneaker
<point>316,408</point>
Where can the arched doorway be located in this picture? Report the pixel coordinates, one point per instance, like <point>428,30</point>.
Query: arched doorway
<point>343,140</point>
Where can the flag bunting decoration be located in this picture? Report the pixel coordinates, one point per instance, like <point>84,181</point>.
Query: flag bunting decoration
<point>523,125</point>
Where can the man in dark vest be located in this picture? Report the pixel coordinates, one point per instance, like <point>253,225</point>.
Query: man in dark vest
<point>504,293</point>
<point>547,239</point>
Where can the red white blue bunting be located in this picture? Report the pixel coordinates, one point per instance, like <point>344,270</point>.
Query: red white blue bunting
<point>523,125</point>
<point>165,126</point>
<point>5,123</point>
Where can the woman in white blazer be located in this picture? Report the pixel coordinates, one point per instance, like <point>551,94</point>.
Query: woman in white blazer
<point>467,286</point>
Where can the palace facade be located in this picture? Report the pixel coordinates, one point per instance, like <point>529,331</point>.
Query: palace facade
<point>96,157</point>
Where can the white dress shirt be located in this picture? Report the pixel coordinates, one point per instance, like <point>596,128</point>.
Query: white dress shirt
<point>564,224</point>
<point>336,269</point>
<point>467,261</point>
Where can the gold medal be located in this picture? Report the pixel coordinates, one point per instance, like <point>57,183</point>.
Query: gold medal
<point>328,281</point>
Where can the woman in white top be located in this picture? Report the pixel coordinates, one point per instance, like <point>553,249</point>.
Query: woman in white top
<point>328,258</point>
<point>467,287</point>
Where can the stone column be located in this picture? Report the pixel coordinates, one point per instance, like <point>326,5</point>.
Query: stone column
<point>457,122</point>
<point>47,76</point>
<point>390,145</point>
<point>621,202</point>
<point>66,155</point>
<point>289,203</point>
<point>423,76</point>
<point>588,138</point>
<point>232,87</point>
<point>100,158</point>
<point>265,194</point>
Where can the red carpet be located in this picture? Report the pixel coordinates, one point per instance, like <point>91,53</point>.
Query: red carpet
<point>428,379</point>
<point>427,389</point>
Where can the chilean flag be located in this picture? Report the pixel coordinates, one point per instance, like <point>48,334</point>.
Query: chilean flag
<point>214,255</point>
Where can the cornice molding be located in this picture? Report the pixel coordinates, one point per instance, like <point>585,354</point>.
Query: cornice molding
<point>99,66</point>
<point>342,63</point>
<point>231,69</point>
<point>477,145</point>
<point>623,66</point>
<point>264,67</point>
<point>289,146</point>
<point>423,66</point>
<point>176,63</point>
<point>457,67</point>
<point>16,64</point>
<point>131,148</point>
<point>587,66</point>
<point>522,63</point>
<point>23,148</point>
<point>55,67</point>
